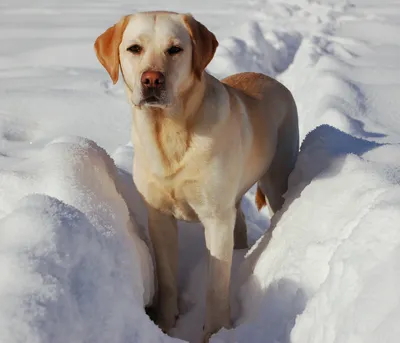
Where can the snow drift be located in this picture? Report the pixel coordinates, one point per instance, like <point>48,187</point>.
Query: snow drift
<point>74,268</point>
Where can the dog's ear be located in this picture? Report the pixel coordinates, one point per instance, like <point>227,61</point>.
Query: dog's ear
<point>204,44</point>
<point>107,47</point>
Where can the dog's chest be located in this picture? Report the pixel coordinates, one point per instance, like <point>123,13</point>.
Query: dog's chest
<point>166,196</point>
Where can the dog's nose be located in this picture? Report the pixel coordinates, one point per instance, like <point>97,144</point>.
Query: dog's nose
<point>153,79</point>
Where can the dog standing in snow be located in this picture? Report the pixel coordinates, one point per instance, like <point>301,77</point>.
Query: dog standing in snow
<point>200,144</point>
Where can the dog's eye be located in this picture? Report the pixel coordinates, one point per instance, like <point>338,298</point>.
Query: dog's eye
<point>173,50</point>
<point>135,49</point>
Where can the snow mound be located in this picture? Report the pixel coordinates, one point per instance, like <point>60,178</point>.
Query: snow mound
<point>75,268</point>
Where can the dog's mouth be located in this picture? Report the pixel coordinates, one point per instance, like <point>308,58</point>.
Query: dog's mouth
<point>153,99</point>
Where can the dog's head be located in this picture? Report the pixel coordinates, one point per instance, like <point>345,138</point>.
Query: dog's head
<point>161,55</point>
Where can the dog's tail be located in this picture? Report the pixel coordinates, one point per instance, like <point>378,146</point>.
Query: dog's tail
<point>260,198</point>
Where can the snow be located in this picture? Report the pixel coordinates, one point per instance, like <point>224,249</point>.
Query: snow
<point>74,255</point>
<point>66,250</point>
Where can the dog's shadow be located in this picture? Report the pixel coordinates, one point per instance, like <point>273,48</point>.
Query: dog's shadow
<point>270,313</point>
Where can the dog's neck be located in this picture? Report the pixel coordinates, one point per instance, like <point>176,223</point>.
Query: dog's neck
<point>164,135</point>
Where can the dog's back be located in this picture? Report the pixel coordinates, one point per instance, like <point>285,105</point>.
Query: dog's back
<point>266,93</point>
<point>252,84</point>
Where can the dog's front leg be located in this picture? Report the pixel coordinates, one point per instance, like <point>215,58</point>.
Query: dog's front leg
<point>164,237</point>
<point>219,241</point>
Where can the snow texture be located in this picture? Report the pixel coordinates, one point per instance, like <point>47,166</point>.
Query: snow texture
<point>75,259</point>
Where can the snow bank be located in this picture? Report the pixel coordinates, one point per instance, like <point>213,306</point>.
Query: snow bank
<point>74,266</point>
<point>329,270</point>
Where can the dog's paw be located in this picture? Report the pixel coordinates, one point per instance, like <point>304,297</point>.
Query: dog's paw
<point>206,337</point>
<point>208,332</point>
<point>167,317</point>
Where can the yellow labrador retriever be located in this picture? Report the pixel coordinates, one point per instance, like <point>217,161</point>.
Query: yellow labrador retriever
<point>200,144</point>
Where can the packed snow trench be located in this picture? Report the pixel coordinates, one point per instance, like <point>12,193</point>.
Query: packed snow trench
<point>75,264</point>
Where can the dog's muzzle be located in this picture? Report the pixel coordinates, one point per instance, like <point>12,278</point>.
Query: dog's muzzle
<point>153,87</point>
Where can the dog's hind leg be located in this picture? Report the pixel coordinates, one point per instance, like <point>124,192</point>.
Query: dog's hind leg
<point>274,183</point>
<point>240,231</point>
